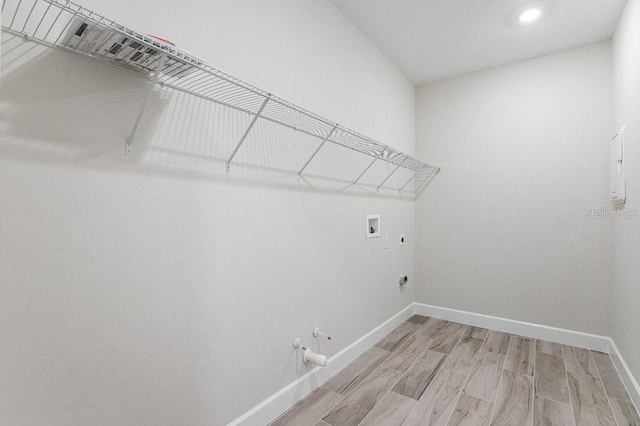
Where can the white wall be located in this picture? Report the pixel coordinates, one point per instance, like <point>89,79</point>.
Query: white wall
<point>502,230</point>
<point>626,67</point>
<point>154,289</point>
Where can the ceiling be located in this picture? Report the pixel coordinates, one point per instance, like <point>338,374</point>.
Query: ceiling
<point>431,40</point>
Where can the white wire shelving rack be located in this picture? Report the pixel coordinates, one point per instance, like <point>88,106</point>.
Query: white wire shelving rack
<point>68,25</point>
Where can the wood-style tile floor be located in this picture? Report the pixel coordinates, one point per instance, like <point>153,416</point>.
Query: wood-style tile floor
<point>434,372</point>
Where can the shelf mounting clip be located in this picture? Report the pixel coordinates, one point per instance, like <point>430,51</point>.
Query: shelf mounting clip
<point>128,147</point>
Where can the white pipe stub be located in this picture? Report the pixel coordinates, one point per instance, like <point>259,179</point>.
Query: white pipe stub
<point>317,332</point>
<point>308,356</point>
<point>311,357</point>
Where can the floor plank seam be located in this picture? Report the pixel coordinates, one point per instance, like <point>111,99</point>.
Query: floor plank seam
<point>401,375</point>
<point>419,356</point>
<point>399,378</point>
<point>440,368</point>
<point>427,347</point>
<point>466,380</point>
<point>436,373</point>
<point>605,391</point>
<point>371,374</point>
<point>424,352</point>
<point>415,331</point>
<point>566,373</point>
<point>533,402</point>
<point>534,342</point>
<point>376,404</point>
<point>416,406</point>
<point>356,374</point>
<point>331,409</point>
<point>458,341</point>
<point>362,369</point>
<point>495,399</point>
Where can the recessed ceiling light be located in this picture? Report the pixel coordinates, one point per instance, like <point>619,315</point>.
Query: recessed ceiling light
<point>529,15</point>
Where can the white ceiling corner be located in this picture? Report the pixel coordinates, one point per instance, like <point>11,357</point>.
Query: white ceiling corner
<point>430,40</point>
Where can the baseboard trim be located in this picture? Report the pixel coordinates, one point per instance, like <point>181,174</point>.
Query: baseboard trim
<point>275,405</point>
<point>526,329</point>
<point>623,371</point>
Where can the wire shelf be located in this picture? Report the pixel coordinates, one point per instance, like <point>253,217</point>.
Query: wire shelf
<point>70,26</point>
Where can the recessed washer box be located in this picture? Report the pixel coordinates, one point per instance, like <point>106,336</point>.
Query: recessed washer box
<point>373,225</point>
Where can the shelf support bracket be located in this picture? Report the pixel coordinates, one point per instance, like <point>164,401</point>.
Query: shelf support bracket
<point>412,178</point>
<point>317,150</point>
<point>369,166</point>
<point>246,132</point>
<point>128,147</point>
<point>390,174</point>
<point>429,178</point>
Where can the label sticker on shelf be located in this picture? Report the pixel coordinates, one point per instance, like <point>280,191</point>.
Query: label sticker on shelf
<point>125,51</point>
